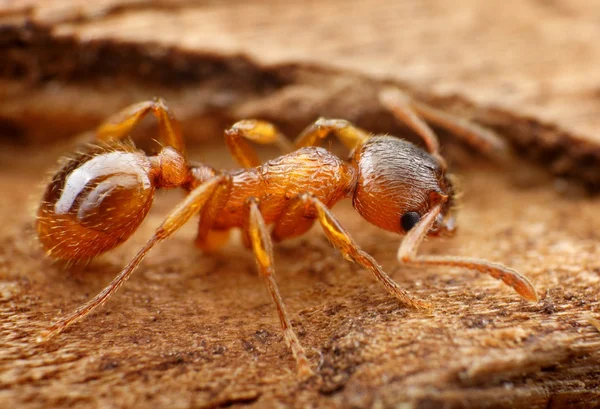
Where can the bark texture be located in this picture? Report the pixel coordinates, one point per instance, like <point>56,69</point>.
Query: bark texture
<point>193,330</point>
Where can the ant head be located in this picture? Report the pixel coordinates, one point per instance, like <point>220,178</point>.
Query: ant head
<point>95,202</point>
<point>398,183</point>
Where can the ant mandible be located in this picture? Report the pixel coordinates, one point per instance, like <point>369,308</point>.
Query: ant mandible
<point>100,197</point>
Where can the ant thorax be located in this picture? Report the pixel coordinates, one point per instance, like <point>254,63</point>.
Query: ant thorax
<point>312,170</point>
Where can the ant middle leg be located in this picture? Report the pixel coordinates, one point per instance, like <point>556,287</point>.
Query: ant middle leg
<point>407,254</point>
<point>350,135</point>
<point>120,125</point>
<point>293,221</point>
<point>414,114</point>
<point>191,205</point>
<point>257,131</point>
<point>257,234</point>
<point>339,237</point>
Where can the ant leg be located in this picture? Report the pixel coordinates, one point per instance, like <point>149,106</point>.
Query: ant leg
<point>293,221</point>
<point>413,114</point>
<point>350,135</point>
<point>174,220</point>
<point>261,132</point>
<point>340,238</point>
<point>258,235</point>
<point>210,240</point>
<point>119,126</point>
<point>407,254</point>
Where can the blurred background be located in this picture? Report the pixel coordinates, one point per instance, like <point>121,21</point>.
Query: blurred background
<point>533,57</point>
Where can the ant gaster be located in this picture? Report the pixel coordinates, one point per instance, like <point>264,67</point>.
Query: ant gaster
<point>100,197</point>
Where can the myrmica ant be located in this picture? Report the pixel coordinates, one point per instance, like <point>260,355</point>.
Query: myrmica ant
<point>100,197</point>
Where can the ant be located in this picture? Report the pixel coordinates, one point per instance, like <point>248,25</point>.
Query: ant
<point>100,196</point>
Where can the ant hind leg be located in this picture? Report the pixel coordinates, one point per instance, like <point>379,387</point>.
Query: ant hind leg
<point>174,220</point>
<point>407,254</point>
<point>209,240</point>
<point>120,125</point>
<point>258,236</point>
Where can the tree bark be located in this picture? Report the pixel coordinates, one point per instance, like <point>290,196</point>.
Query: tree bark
<point>193,330</point>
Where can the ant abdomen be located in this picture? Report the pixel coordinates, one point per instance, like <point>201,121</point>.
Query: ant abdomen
<point>95,202</point>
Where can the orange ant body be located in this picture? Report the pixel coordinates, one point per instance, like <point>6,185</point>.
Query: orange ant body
<point>100,197</point>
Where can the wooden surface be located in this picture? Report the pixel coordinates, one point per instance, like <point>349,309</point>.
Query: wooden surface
<point>191,330</point>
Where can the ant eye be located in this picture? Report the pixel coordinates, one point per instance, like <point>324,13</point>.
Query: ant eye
<point>408,220</point>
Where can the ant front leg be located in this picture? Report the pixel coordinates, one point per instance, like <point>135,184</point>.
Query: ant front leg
<point>407,254</point>
<point>260,132</point>
<point>191,205</point>
<point>120,125</point>
<point>340,238</point>
<point>350,135</point>
<point>262,247</point>
<point>414,114</point>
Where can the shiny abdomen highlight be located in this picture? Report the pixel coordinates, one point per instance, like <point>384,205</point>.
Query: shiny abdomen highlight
<point>94,203</point>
